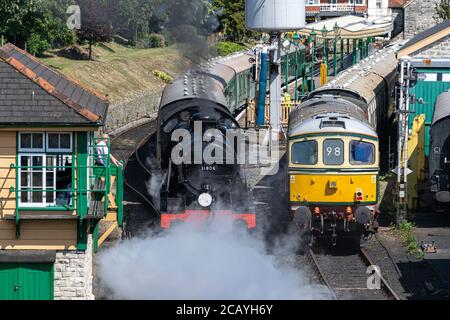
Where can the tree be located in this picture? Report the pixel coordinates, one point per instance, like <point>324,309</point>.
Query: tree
<point>231,15</point>
<point>95,24</point>
<point>31,24</point>
<point>442,10</point>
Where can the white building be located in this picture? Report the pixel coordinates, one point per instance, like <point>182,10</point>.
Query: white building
<point>378,8</point>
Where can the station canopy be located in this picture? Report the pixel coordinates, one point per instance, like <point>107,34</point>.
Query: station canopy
<point>350,27</point>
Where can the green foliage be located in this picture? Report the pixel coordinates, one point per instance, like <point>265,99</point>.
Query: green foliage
<point>442,10</point>
<point>156,41</point>
<point>232,19</point>
<point>224,48</point>
<point>405,232</point>
<point>36,44</point>
<point>33,23</point>
<point>163,76</point>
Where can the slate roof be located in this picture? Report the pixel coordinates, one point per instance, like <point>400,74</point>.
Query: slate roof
<point>427,33</point>
<point>33,93</point>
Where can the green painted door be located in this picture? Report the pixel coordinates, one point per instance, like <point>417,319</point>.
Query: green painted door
<point>26,281</point>
<point>426,93</point>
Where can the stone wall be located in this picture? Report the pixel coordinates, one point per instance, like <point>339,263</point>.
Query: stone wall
<point>419,16</point>
<point>143,104</point>
<point>440,49</point>
<point>73,274</point>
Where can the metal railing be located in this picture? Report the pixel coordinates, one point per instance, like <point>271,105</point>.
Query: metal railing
<point>98,188</point>
<point>339,7</point>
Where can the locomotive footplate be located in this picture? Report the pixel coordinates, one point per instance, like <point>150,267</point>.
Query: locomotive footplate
<point>203,216</point>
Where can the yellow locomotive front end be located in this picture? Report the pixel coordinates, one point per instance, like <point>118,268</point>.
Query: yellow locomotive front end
<point>333,178</point>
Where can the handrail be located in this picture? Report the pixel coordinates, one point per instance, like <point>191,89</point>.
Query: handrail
<point>105,171</point>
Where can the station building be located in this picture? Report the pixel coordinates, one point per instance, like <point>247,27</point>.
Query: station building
<point>429,53</point>
<point>54,187</point>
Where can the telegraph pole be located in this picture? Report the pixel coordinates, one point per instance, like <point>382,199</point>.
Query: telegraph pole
<point>403,133</point>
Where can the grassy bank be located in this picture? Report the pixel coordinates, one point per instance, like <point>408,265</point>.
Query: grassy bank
<point>119,71</point>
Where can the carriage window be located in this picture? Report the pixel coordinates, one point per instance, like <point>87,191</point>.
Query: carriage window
<point>333,152</point>
<point>304,152</point>
<point>362,152</point>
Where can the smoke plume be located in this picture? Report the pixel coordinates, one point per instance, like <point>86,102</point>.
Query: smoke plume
<point>188,262</point>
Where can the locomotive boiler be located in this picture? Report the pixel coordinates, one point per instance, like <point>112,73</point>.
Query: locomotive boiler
<point>201,177</point>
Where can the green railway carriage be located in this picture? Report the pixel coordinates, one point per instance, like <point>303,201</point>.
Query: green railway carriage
<point>242,86</point>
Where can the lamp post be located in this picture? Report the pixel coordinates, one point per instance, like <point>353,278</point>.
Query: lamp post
<point>325,44</point>
<point>287,46</point>
<point>313,36</point>
<point>296,40</point>
<point>336,34</point>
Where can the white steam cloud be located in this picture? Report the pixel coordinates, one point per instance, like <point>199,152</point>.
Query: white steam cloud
<point>213,262</point>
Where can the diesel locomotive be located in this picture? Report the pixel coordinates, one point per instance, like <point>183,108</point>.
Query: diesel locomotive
<point>334,151</point>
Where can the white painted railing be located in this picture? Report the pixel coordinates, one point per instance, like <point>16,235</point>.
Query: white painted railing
<point>337,7</point>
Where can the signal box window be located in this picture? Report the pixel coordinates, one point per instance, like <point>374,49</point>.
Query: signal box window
<point>45,173</point>
<point>362,153</point>
<point>304,152</point>
<point>333,152</point>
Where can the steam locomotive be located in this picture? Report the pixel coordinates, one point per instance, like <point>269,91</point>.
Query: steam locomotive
<point>193,152</point>
<point>439,159</point>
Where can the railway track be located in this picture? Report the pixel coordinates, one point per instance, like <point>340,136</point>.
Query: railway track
<point>132,146</point>
<point>346,276</point>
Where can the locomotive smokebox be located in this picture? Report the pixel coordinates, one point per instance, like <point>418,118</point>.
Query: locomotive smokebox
<point>274,15</point>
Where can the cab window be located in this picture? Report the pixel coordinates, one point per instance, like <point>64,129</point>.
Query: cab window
<point>333,152</point>
<point>304,152</point>
<point>362,153</point>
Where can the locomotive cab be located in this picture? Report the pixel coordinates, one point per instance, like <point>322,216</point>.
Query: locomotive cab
<point>333,175</point>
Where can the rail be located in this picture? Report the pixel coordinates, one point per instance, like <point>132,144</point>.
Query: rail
<point>364,257</point>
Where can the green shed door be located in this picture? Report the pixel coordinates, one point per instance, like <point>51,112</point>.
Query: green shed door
<point>30,281</point>
<point>427,92</point>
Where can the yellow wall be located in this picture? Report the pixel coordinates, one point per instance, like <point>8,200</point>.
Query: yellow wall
<point>34,234</point>
<point>7,175</point>
<point>39,235</point>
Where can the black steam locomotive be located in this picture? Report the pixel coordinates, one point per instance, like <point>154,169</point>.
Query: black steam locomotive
<point>439,156</point>
<point>200,178</point>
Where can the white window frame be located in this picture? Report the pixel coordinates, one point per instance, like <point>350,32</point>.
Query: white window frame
<point>31,149</point>
<point>43,152</point>
<point>44,203</point>
<point>58,150</point>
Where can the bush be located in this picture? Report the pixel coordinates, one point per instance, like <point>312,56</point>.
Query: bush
<point>224,48</point>
<point>163,76</point>
<point>156,41</point>
<point>36,45</point>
